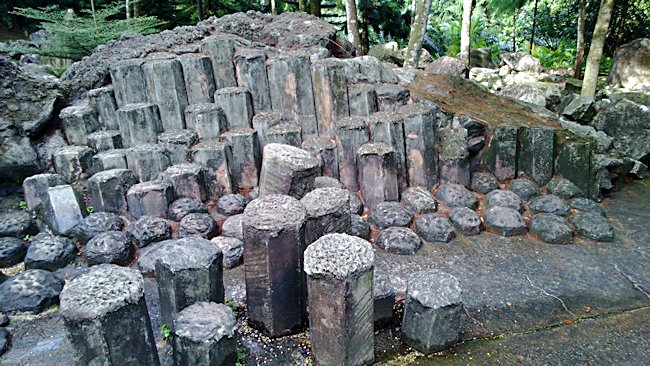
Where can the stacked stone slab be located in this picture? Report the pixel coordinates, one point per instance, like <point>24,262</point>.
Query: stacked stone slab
<point>330,94</point>
<point>287,170</point>
<point>166,88</point>
<point>177,143</point>
<point>128,82</point>
<point>188,270</point>
<point>388,127</point>
<point>221,50</point>
<point>72,162</point>
<point>291,89</point>
<point>139,123</point>
<point>351,133</point>
<point>150,199</point>
<point>104,140</point>
<point>206,119</point>
<point>376,166</point>
<point>324,150</point>
<point>339,271</point>
<point>78,122</point>
<point>110,159</point>
<point>108,190</point>
<point>250,68</point>
<point>274,241</point>
<point>237,105</point>
<point>199,79</point>
<point>147,161</point>
<point>245,164</point>
<point>188,181</point>
<point>328,211</point>
<point>214,156</point>
<point>420,150</point>
<point>103,102</point>
<point>106,319</point>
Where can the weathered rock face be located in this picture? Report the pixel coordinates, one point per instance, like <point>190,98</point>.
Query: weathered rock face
<point>521,61</point>
<point>289,30</point>
<point>629,124</point>
<point>481,57</point>
<point>26,105</point>
<point>446,65</point>
<point>631,65</point>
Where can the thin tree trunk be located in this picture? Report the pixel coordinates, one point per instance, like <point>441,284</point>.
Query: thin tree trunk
<point>315,7</point>
<point>580,40</point>
<point>352,23</point>
<point>532,33</point>
<point>620,30</point>
<point>199,7</point>
<point>365,41</point>
<point>128,9</point>
<point>418,29</point>
<point>514,30</point>
<point>413,6</point>
<point>596,48</point>
<point>136,8</point>
<point>273,9</point>
<point>302,5</point>
<point>92,8</point>
<point>465,31</point>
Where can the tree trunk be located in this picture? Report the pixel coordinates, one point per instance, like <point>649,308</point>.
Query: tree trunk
<point>620,30</point>
<point>413,6</point>
<point>532,33</point>
<point>418,29</point>
<point>365,41</point>
<point>596,48</point>
<point>92,8</point>
<point>353,24</point>
<point>302,5</point>
<point>315,7</point>
<point>136,8</point>
<point>465,31</point>
<point>580,43</point>
<point>128,10</point>
<point>273,9</point>
<point>514,30</point>
<point>199,7</point>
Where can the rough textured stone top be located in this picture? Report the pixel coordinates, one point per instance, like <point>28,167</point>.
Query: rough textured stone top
<point>202,107</point>
<point>385,117</point>
<point>107,175</point>
<point>324,201</point>
<point>148,149</point>
<point>186,137</point>
<point>231,90</point>
<point>283,128</point>
<point>414,109</point>
<point>434,289</point>
<point>182,169</point>
<point>375,148</point>
<point>297,159</point>
<point>205,322</point>
<point>339,256</point>
<point>274,212</point>
<point>318,144</point>
<point>352,123</point>
<point>103,289</point>
<point>134,106</point>
<point>74,110</point>
<point>188,253</point>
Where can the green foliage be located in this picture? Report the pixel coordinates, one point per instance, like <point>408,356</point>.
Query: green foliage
<point>75,36</point>
<point>231,304</point>
<point>241,357</point>
<point>22,205</point>
<point>562,57</point>
<point>90,209</point>
<point>27,238</point>
<point>166,332</point>
<point>449,34</point>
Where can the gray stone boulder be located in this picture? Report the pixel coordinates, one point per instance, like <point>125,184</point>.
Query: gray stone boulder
<point>456,195</point>
<point>481,57</point>
<point>466,220</point>
<point>521,62</point>
<point>524,188</point>
<point>578,108</point>
<point>326,182</point>
<point>359,227</point>
<point>185,206</point>
<point>546,95</point>
<point>503,198</point>
<point>399,240</point>
<point>551,229</point>
<point>446,65</point>
<point>31,290</point>
<point>593,226</point>
<point>148,230</point>
<point>388,214</point>
<point>435,228</point>
<point>50,252</point>
<point>109,247</point>
<point>630,68</point>
<point>17,224</point>
<point>418,200</point>
<point>563,188</point>
<point>12,251</point>
<point>548,203</point>
<point>199,224</point>
<point>232,249</point>
<point>628,123</point>
<point>483,182</point>
<point>231,204</point>
<point>588,206</point>
<point>232,227</point>
<point>504,221</point>
<point>95,224</point>
<point>603,142</point>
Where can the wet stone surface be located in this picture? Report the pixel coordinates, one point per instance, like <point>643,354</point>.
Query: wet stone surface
<point>549,204</point>
<point>388,214</point>
<point>593,226</point>
<point>201,224</point>
<point>551,229</point>
<point>398,240</point>
<point>435,228</point>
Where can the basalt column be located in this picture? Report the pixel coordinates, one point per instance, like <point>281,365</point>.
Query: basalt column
<point>324,149</point>
<point>377,174</point>
<point>330,94</point>
<point>221,50</point>
<point>139,124</point>
<point>250,67</point>
<point>274,241</point>
<point>287,170</point>
<point>245,164</point>
<point>103,101</point>
<point>128,82</point>
<point>388,127</point>
<point>351,133</point>
<point>166,88</point>
<point>420,138</point>
<point>328,211</point>
<point>199,81</point>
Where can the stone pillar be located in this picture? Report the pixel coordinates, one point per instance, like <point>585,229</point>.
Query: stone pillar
<point>330,94</point>
<point>453,156</point>
<point>110,159</point>
<point>221,50</point>
<point>35,189</point>
<point>188,270</point>
<point>501,153</point>
<point>432,311</point>
<point>384,299</point>
<point>537,153</point>
<point>72,162</point>
<point>199,80</point>
<point>250,68</point>
<point>103,101</point>
<point>574,162</point>
<point>128,82</point>
<point>388,127</point>
<point>214,156</point>
<point>147,161</point>
<point>139,124</point>
<point>324,150</point>
<point>206,119</point>
<point>106,319</point>
<point>105,140</point>
<point>262,122</point>
<point>237,105</point>
<point>205,334</point>
<point>108,190</point>
<point>391,97</point>
<point>62,208</point>
<point>150,199</point>
<point>286,134</point>
<point>420,142</point>
<point>351,133</point>
<point>377,174</point>
<point>166,88</point>
<point>292,94</point>
<point>287,170</point>
<point>78,123</point>
<point>245,164</point>
<point>339,271</point>
<point>274,241</point>
<point>328,211</point>
<point>188,180</point>
<point>362,99</point>
<point>178,143</point>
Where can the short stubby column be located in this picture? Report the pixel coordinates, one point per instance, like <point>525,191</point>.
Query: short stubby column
<point>420,141</point>
<point>139,124</point>
<point>188,180</point>
<point>147,161</point>
<point>103,101</point>
<point>78,122</point>
<point>128,82</point>
<point>106,319</point>
<point>351,133</point>
<point>330,94</point>
<point>328,211</point>
<point>237,105</point>
<point>250,68</point>
<point>362,99</point>
<point>108,190</point>
<point>274,241</point>
<point>287,170</point>
<point>206,119</point>
<point>178,143</point>
<point>377,173</point>
<point>285,133</point>
<point>339,271</point>
<point>245,164</point>
<point>388,127</point>
<point>214,156</point>
<point>166,88</point>
<point>150,199</point>
<point>324,149</point>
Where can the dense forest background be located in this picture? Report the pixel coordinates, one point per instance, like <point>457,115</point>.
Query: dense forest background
<point>502,25</point>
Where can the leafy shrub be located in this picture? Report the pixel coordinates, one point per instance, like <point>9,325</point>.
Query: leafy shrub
<point>562,57</point>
